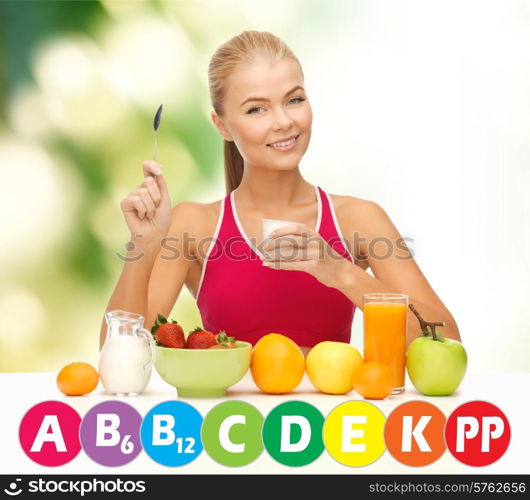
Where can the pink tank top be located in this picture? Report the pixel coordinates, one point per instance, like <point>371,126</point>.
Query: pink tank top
<point>248,300</point>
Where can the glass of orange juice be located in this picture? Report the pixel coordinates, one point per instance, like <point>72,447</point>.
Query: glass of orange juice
<point>385,333</point>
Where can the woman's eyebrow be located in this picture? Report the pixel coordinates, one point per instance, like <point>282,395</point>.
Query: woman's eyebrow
<point>268,100</point>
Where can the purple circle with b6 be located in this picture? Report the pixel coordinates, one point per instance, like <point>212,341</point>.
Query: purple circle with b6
<point>110,433</point>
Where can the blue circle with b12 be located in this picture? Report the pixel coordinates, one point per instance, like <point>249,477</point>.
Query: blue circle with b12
<point>171,433</point>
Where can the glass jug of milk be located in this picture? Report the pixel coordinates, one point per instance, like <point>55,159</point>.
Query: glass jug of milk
<point>127,357</point>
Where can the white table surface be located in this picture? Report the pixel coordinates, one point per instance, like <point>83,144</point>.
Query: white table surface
<point>21,391</point>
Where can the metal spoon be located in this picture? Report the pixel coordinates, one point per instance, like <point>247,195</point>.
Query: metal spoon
<point>156,123</point>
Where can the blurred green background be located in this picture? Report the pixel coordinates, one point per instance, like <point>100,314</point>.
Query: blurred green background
<point>81,81</point>
<point>419,105</point>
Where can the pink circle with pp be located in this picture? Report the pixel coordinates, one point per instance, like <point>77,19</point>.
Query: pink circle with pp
<point>49,433</point>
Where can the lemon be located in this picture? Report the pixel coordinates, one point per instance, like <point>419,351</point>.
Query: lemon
<point>330,366</point>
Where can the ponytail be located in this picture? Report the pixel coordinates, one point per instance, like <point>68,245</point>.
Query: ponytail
<point>233,166</point>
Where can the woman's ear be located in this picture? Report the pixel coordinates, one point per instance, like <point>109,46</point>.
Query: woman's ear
<point>219,125</point>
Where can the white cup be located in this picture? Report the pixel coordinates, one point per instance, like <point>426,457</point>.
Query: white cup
<point>269,225</point>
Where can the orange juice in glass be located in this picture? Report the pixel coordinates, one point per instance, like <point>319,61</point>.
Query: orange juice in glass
<point>385,333</point>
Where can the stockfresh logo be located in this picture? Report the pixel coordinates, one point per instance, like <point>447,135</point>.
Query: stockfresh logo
<point>80,487</point>
<point>14,488</point>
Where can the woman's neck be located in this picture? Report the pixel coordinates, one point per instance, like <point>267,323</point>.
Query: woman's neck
<point>270,190</point>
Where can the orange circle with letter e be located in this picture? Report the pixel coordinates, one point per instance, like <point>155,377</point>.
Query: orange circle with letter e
<point>414,433</point>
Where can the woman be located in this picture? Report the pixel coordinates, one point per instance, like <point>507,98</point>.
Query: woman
<point>307,283</point>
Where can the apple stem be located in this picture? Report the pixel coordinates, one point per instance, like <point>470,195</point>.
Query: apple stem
<point>426,325</point>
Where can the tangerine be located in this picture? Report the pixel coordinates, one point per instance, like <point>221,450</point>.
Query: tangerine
<point>277,364</point>
<point>77,378</point>
<point>373,380</point>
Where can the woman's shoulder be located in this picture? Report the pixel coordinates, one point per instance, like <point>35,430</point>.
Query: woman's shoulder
<point>193,214</point>
<point>195,208</point>
<point>353,209</point>
<point>195,218</point>
<point>357,216</point>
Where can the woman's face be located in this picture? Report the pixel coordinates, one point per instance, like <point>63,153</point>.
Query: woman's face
<point>282,111</point>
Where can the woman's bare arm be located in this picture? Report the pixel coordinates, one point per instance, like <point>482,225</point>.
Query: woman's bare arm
<point>394,269</point>
<point>171,269</point>
<point>153,274</point>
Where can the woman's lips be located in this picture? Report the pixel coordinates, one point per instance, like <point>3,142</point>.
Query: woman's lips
<point>285,148</point>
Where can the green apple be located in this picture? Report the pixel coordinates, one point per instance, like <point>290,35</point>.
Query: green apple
<point>436,366</point>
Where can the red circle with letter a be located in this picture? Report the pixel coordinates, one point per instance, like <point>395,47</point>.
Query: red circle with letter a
<point>49,433</point>
<point>477,433</point>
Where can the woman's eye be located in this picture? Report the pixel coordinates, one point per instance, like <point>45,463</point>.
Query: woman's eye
<point>251,110</point>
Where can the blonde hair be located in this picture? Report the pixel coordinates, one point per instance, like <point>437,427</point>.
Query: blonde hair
<point>242,49</point>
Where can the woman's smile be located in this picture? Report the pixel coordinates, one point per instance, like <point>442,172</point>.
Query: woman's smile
<point>286,145</point>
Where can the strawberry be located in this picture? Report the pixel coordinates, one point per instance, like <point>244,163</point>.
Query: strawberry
<point>168,334</point>
<point>200,339</point>
<point>226,341</point>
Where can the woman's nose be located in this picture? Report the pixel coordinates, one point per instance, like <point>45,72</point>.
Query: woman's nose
<point>282,118</point>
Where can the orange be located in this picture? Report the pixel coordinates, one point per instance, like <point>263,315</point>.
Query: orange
<point>77,378</point>
<point>277,364</point>
<point>373,380</point>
